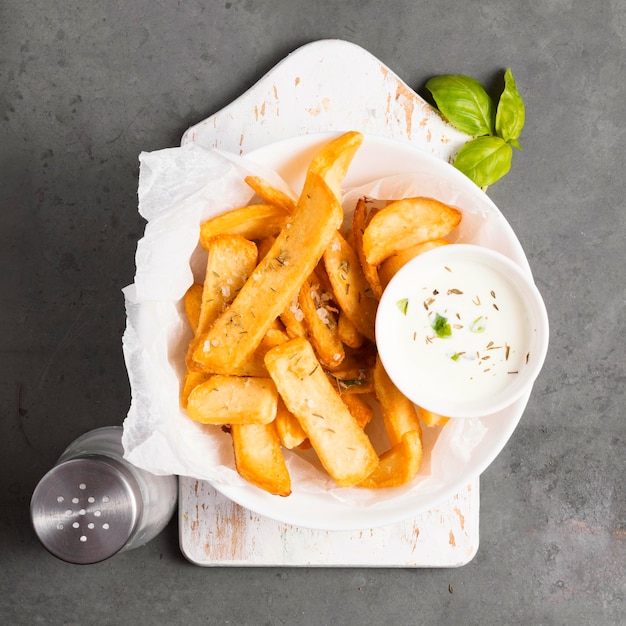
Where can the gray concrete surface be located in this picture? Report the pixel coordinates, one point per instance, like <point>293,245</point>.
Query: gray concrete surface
<point>85,86</point>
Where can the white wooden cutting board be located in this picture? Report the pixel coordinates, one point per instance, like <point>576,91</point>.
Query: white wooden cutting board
<point>328,85</point>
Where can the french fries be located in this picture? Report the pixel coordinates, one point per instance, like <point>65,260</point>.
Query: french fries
<point>259,458</point>
<point>431,419</point>
<point>399,465</point>
<point>238,331</point>
<point>233,400</point>
<point>320,323</point>
<point>352,291</point>
<point>399,413</point>
<point>231,260</point>
<point>405,223</point>
<point>402,461</point>
<point>288,427</point>
<point>252,222</point>
<point>193,304</point>
<point>399,259</point>
<point>270,195</point>
<point>360,220</point>
<point>343,448</point>
<point>283,349</point>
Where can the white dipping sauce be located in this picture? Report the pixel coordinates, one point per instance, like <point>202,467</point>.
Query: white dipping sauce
<point>455,330</point>
<point>463,330</point>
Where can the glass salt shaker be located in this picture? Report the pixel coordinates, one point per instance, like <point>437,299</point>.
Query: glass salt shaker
<point>93,503</point>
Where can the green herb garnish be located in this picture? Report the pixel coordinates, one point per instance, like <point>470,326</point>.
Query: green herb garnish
<point>351,382</point>
<point>441,326</point>
<point>463,101</point>
<point>455,356</point>
<point>478,325</point>
<point>403,305</point>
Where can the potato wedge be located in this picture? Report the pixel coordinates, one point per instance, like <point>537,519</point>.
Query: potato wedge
<point>343,448</point>
<point>320,322</point>
<point>231,260</point>
<point>270,194</point>
<point>346,384</point>
<point>190,382</point>
<point>193,304</point>
<point>348,333</point>
<point>254,366</point>
<point>399,413</point>
<point>350,287</point>
<point>407,222</point>
<point>276,280</point>
<point>360,220</point>
<point>333,160</point>
<point>293,319</point>
<point>259,458</point>
<point>390,266</point>
<point>289,430</point>
<point>264,246</point>
<point>355,375</point>
<point>359,408</point>
<point>256,221</point>
<point>398,465</point>
<point>431,419</point>
<point>233,400</point>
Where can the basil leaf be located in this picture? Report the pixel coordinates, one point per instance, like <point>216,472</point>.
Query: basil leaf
<point>510,112</point>
<point>484,160</point>
<point>463,101</point>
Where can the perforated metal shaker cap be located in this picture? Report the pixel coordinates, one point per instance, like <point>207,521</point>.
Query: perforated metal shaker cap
<point>85,510</point>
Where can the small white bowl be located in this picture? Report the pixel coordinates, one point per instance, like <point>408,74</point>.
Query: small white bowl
<point>462,331</point>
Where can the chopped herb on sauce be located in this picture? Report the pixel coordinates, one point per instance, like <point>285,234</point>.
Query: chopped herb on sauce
<point>403,305</point>
<point>441,326</point>
<point>478,325</point>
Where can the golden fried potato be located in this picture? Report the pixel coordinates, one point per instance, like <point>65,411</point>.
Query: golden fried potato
<point>405,223</point>
<point>398,465</point>
<point>269,194</point>
<point>259,458</point>
<point>231,260</point>
<point>320,322</point>
<point>390,266</point>
<point>293,319</point>
<point>399,413</point>
<point>233,400</point>
<point>431,419</point>
<point>350,287</point>
<point>343,448</point>
<point>288,427</point>
<point>359,408</point>
<point>348,333</point>
<point>360,220</point>
<point>269,290</point>
<point>256,221</point>
<point>193,304</point>
<point>190,382</point>
<point>333,160</point>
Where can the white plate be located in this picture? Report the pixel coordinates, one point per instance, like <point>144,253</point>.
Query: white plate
<point>475,443</point>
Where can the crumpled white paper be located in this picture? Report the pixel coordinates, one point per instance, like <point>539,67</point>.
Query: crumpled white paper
<point>179,188</point>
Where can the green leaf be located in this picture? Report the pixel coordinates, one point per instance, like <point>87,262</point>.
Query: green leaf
<point>510,113</point>
<point>484,160</point>
<point>463,101</point>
